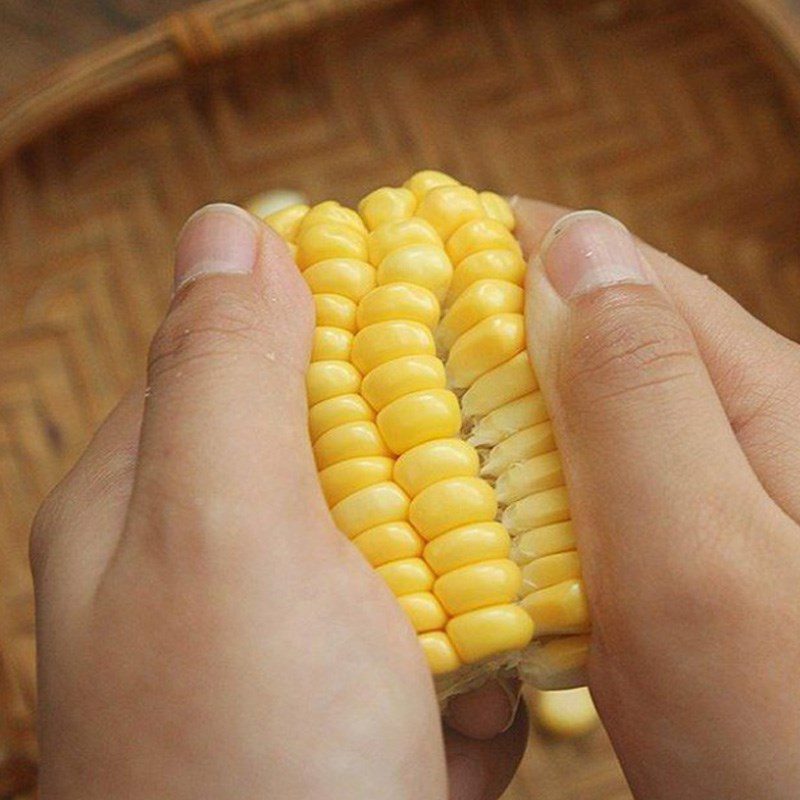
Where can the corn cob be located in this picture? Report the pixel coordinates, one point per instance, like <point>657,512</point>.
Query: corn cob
<point>431,437</point>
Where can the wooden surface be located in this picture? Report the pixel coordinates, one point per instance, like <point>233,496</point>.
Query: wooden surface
<point>664,112</point>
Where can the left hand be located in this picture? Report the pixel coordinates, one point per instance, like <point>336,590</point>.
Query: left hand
<point>203,628</point>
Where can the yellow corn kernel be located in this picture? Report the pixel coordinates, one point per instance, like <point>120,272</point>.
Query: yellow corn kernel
<point>497,207</point>
<point>387,205</point>
<point>431,462</point>
<point>292,248</point>
<point>335,311</point>
<point>556,538</point>
<point>556,663</point>
<point>452,503</point>
<point>401,396</point>
<point>329,240</point>
<point>425,265</point>
<point>559,609</point>
<point>488,583</point>
<point>337,411</point>
<point>347,477</point>
<point>478,235</point>
<point>399,301</point>
<point>550,570</point>
<point>504,265</point>
<point>439,652</point>
<point>286,222</point>
<point>487,631</point>
<point>499,386</point>
<point>348,277</point>
<point>424,611</point>
<point>407,576</point>
<point>330,211</point>
<point>386,341</point>
<point>536,510</point>
<point>389,542</point>
<point>351,440</point>
<point>447,208</point>
<point>527,443</point>
<point>396,235</point>
<point>326,379</point>
<point>331,344</point>
<point>531,476</point>
<point>400,377</point>
<point>568,713</point>
<point>484,347</point>
<point>371,506</point>
<point>420,183</point>
<point>481,300</point>
<point>508,420</point>
<point>419,417</point>
<point>483,541</point>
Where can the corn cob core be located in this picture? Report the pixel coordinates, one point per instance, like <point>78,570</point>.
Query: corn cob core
<point>431,437</point>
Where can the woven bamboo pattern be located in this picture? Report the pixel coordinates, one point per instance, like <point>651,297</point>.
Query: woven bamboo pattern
<point>666,113</point>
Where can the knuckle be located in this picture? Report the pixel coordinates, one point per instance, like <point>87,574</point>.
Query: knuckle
<point>204,327</point>
<point>627,344</point>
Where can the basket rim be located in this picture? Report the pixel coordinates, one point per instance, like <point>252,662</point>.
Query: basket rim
<point>200,34</point>
<point>217,29</point>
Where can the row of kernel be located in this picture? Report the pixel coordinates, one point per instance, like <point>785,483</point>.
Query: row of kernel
<point>452,507</point>
<point>355,464</point>
<point>484,336</point>
<point>472,559</point>
<point>403,379</point>
<point>329,245</point>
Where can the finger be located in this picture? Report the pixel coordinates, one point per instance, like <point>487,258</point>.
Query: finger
<point>81,518</point>
<point>485,712</point>
<point>482,769</point>
<point>755,371</point>
<point>656,475</point>
<point>675,531</point>
<point>224,438</point>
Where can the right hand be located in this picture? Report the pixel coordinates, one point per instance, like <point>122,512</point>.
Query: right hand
<point>678,419</point>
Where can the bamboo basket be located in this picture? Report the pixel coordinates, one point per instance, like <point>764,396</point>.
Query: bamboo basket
<point>680,116</point>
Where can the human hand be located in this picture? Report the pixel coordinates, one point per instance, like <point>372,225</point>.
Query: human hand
<point>203,628</point>
<point>678,419</point>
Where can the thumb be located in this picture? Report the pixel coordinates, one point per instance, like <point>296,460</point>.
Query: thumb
<point>655,474</point>
<point>224,437</point>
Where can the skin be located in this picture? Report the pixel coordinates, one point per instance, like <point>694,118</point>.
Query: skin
<point>204,630</point>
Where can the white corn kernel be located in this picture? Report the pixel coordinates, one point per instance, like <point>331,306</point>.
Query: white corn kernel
<point>536,510</point>
<point>531,476</point>
<point>520,446</point>
<point>508,420</point>
<point>556,538</point>
<point>499,386</point>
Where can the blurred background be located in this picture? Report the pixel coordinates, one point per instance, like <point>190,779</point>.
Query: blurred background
<point>119,117</point>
